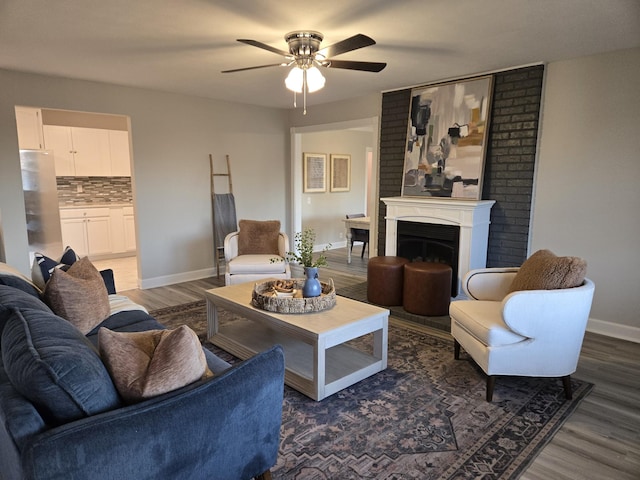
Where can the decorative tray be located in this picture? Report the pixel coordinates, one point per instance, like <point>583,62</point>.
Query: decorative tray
<point>280,296</point>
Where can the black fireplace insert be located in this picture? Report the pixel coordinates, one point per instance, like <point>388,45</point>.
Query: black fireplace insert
<point>430,242</point>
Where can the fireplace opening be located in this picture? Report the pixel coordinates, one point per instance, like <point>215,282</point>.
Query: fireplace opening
<point>430,242</point>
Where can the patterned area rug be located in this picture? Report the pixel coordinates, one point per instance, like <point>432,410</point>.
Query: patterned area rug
<point>424,417</point>
<point>359,292</point>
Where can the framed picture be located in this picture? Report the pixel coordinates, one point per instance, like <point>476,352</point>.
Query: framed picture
<point>315,172</point>
<point>447,139</point>
<point>340,172</point>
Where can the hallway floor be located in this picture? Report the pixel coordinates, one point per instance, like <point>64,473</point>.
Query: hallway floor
<point>125,271</point>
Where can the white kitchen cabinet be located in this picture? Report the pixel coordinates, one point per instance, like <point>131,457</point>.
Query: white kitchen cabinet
<point>79,151</point>
<point>91,150</point>
<point>87,230</point>
<point>123,237</point>
<point>29,125</point>
<point>99,236</point>
<point>58,140</point>
<point>129,230</point>
<point>117,230</point>
<point>74,235</point>
<point>119,153</point>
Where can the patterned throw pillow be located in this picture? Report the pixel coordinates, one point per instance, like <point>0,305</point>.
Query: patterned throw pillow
<point>145,364</point>
<point>78,295</point>
<point>43,266</point>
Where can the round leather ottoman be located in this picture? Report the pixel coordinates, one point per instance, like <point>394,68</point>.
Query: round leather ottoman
<point>385,276</point>
<point>427,288</point>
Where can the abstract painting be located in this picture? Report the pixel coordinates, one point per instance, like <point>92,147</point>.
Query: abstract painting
<point>447,138</point>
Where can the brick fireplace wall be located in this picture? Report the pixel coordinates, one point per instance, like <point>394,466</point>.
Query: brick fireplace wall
<point>509,166</point>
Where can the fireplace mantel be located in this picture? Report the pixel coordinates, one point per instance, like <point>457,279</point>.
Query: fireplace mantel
<point>473,218</point>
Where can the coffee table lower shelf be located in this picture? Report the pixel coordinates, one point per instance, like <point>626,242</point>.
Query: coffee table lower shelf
<point>344,364</point>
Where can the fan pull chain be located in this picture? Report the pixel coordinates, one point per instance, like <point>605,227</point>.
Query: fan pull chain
<point>304,91</point>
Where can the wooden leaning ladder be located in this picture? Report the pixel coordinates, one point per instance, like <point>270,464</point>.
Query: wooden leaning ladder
<point>218,249</point>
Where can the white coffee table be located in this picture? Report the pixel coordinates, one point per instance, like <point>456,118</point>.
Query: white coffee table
<point>318,363</point>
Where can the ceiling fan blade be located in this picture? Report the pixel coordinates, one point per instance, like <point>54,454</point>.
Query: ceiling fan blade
<point>264,46</point>
<point>347,45</point>
<point>254,68</point>
<point>351,65</point>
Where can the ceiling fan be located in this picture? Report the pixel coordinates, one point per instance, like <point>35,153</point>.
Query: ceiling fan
<point>305,55</point>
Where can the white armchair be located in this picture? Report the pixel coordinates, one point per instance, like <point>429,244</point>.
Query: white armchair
<point>534,333</point>
<point>250,267</point>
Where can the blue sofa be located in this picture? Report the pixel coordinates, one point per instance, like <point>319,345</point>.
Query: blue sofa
<point>225,427</point>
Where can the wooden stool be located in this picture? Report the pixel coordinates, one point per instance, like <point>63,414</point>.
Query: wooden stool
<point>385,276</point>
<point>427,288</point>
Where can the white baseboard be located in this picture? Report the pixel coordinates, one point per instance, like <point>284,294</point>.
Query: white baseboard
<point>615,330</point>
<point>179,278</point>
<point>334,245</point>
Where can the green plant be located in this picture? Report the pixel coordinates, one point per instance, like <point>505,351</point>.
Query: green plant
<point>303,251</point>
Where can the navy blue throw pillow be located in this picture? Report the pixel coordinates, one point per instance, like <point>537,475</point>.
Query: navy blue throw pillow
<point>44,266</point>
<point>107,277</point>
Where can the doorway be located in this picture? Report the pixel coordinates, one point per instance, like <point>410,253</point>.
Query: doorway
<point>88,160</point>
<point>367,172</point>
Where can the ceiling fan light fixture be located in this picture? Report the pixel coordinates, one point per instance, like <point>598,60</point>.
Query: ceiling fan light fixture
<point>315,80</point>
<point>295,80</point>
<point>305,56</point>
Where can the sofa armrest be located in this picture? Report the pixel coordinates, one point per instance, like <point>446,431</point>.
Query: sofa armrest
<point>488,283</point>
<point>225,428</point>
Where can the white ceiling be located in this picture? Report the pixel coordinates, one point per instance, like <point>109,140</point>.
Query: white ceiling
<point>182,45</point>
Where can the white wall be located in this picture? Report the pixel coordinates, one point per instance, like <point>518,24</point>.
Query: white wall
<point>172,136</point>
<point>324,211</point>
<point>587,195</point>
<point>352,109</point>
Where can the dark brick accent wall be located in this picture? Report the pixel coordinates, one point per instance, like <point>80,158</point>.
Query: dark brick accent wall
<point>509,166</point>
<point>393,137</point>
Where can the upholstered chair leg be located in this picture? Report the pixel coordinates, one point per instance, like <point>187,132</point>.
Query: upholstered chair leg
<point>264,476</point>
<point>456,349</point>
<point>491,382</point>
<point>566,383</point>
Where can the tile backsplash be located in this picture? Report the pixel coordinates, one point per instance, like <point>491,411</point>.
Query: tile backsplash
<point>93,190</point>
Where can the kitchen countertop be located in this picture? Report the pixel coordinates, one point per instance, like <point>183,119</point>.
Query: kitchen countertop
<point>94,205</point>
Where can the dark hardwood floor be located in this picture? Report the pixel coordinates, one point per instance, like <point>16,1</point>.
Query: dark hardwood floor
<point>601,440</point>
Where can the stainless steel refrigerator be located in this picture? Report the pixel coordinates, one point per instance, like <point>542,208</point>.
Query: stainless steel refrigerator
<point>41,202</point>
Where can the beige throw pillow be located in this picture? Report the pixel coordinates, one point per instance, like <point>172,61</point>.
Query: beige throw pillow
<point>78,295</point>
<point>145,364</point>
<point>258,237</point>
<point>545,271</point>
